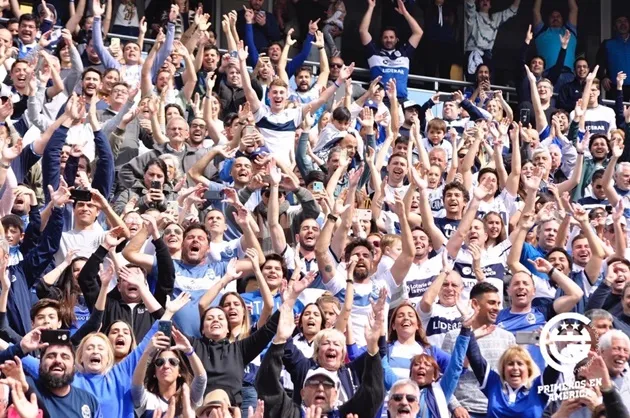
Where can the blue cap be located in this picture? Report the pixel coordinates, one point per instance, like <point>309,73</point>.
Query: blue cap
<point>371,104</point>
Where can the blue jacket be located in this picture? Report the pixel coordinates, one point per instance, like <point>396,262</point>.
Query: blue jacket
<point>614,56</point>
<point>24,274</point>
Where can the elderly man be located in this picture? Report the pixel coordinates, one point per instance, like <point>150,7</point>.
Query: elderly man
<point>404,397</point>
<point>614,347</point>
<point>322,386</point>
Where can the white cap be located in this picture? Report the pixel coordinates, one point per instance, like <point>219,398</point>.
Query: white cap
<point>332,376</point>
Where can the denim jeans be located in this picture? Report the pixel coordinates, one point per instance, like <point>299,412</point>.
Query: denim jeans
<point>250,397</point>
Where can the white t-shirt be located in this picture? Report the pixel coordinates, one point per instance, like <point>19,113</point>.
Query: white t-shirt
<point>278,129</point>
<point>439,321</point>
<point>417,281</point>
<point>127,15</point>
<point>87,242</point>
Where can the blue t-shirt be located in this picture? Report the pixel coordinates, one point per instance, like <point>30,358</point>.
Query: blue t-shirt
<point>391,64</point>
<point>81,312</point>
<point>447,226</point>
<point>254,303</point>
<point>548,44</point>
<point>76,404</point>
<point>195,280</point>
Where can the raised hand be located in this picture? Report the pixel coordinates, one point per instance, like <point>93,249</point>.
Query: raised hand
<point>354,176</point>
<point>319,40</point>
<point>564,39</point>
<point>97,8</point>
<point>346,72</point>
<point>32,341</point>
<point>541,265</point>
<point>26,408</point>
<point>173,13</point>
<point>529,35</point>
<point>259,412</point>
<point>621,78</point>
<point>61,196</point>
<point>176,304</point>
<point>242,51</point>
<point>286,324</point>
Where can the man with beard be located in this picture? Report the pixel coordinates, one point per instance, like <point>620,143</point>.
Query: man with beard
<point>195,273</point>
<point>306,91</point>
<point>487,299</point>
<point>609,55</point>
<point>548,36</point>
<point>54,390</point>
<point>305,239</point>
<point>389,61</point>
<point>358,255</point>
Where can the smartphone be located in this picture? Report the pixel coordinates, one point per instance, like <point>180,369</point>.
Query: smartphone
<point>527,337</point>
<point>249,129</point>
<point>264,59</point>
<point>343,154</point>
<point>157,185</point>
<point>165,327</point>
<point>56,34</point>
<point>445,97</point>
<point>233,54</point>
<point>318,186</point>
<point>524,116</point>
<point>363,214</point>
<point>55,336</point>
<point>114,43</point>
<point>214,195</point>
<point>81,195</point>
<point>490,94</point>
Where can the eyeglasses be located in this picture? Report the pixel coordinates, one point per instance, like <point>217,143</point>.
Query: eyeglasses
<point>398,397</point>
<point>119,91</point>
<point>172,231</point>
<point>324,382</point>
<point>196,125</point>
<point>171,360</point>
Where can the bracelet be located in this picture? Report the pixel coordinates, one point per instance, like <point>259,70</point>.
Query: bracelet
<point>580,153</point>
<point>332,217</point>
<point>349,281</point>
<point>553,269</point>
<point>190,354</point>
<point>335,83</point>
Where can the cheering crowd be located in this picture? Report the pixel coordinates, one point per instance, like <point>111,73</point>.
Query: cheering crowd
<point>192,233</point>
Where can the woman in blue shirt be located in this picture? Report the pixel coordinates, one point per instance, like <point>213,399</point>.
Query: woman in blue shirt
<point>512,389</point>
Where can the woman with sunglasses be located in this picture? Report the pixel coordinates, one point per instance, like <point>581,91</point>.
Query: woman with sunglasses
<point>162,372</point>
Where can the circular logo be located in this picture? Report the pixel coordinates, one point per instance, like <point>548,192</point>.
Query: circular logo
<point>565,340</point>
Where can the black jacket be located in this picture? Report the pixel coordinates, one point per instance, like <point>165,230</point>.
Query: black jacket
<point>365,402</point>
<point>140,318</point>
<point>225,361</point>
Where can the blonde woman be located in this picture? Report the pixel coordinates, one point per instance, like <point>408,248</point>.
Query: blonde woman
<point>97,373</point>
<point>511,389</point>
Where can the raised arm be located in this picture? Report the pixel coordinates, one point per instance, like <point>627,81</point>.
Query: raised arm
<point>250,93</point>
<point>607,180</point>
<point>536,12</point>
<point>594,265</point>
<point>573,12</point>
<point>231,274</point>
<point>431,295</point>
<point>364,27</point>
<point>97,36</point>
<point>324,261</point>
<point>572,292</point>
<point>428,223</point>
<point>539,112</point>
<point>454,243</point>
<point>401,266</point>
<point>416,30</point>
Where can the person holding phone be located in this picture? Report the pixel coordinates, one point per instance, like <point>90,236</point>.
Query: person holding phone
<point>167,371</point>
<point>153,192</point>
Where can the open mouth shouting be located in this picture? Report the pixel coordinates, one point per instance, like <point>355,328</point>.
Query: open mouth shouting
<point>95,361</point>
<point>57,368</point>
<point>403,411</point>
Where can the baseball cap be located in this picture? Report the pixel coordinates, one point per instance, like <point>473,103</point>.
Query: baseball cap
<point>332,376</point>
<point>371,104</point>
<point>609,220</point>
<point>409,104</point>
<point>217,397</point>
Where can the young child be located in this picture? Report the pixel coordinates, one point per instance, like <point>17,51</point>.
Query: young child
<point>334,25</point>
<point>391,246</point>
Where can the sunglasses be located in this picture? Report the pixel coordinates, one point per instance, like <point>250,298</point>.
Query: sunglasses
<point>324,382</point>
<point>336,65</point>
<point>172,231</point>
<point>171,360</point>
<point>399,397</point>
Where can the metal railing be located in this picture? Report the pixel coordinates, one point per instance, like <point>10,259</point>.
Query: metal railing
<point>364,73</point>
